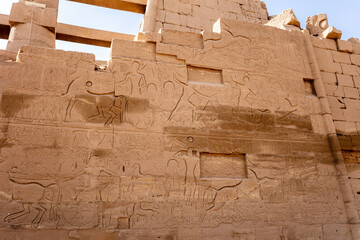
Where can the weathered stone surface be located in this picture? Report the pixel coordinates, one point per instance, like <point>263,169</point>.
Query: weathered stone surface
<point>354,40</point>
<point>337,231</point>
<point>130,49</point>
<point>344,46</point>
<point>326,62</point>
<point>331,33</point>
<point>355,59</point>
<point>287,17</point>
<point>22,13</point>
<point>229,133</point>
<point>317,24</point>
<point>324,43</point>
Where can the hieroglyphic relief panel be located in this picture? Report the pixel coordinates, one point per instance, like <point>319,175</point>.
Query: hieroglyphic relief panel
<point>244,46</point>
<point>208,146</point>
<point>267,73</point>
<point>146,94</point>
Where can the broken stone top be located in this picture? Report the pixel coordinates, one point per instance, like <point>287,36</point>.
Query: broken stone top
<point>317,24</point>
<point>287,17</point>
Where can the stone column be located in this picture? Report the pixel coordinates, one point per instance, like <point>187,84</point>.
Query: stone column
<point>33,23</point>
<point>146,32</point>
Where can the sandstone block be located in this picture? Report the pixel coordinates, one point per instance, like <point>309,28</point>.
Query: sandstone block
<point>341,57</point>
<point>331,33</point>
<point>264,15</point>
<point>172,18</point>
<point>317,123</point>
<point>211,4</point>
<point>337,114</point>
<point>241,17</point>
<point>287,17</point>
<point>183,20</point>
<point>199,23</point>
<point>314,105</point>
<point>337,231</point>
<point>329,78</point>
<point>185,8</point>
<point>345,127</point>
<point>345,142</point>
<point>354,40</point>
<point>317,24</point>
<point>228,15</point>
<point>351,92</point>
<point>308,232</point>
<point>324,43</point>
<point>345,80</point>
<point>336,102</point>
<point>334,90</point>
<point>229,6</point>
<point>7,56</point>
<point>171,5</point>
<point>344,46</point>
<point>352,115</point>
<point>206,13</point>
<point>131,49</point>
<point>44,56</point>
<point>169,26</point>
<point>357,81</point>
<point>350,69</point>
<point>160,16</point>
<point>20,33</point>
<point>182,38</point>
<point>356,142</point>
<point>157,27</point>
<point>355,59</point>
<point>326,62</point>
<point>22,13</point>
<point>356,48</point>
<point>352,103</point>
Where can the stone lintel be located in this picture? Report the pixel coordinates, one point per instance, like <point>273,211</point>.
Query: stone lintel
<point>136,6</point>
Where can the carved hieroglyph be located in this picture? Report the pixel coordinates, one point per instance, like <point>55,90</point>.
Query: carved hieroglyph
<point>217,139</point>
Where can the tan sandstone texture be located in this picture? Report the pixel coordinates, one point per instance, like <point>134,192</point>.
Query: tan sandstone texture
<point>211,126</point>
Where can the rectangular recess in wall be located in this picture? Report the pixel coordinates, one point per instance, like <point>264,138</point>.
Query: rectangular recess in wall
<point>204,75</point>
<point>219,165</point>
<point>309,87</point>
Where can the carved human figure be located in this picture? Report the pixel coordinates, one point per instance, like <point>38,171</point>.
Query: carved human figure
<point>134,83</point>
<point>97,179</point>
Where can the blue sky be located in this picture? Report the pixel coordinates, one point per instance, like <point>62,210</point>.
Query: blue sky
<point>343,16</point>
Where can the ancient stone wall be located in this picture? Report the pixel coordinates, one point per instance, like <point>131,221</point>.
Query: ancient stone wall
<point>232,133</point>
<point>200,15</point>
<point>339,62</point>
